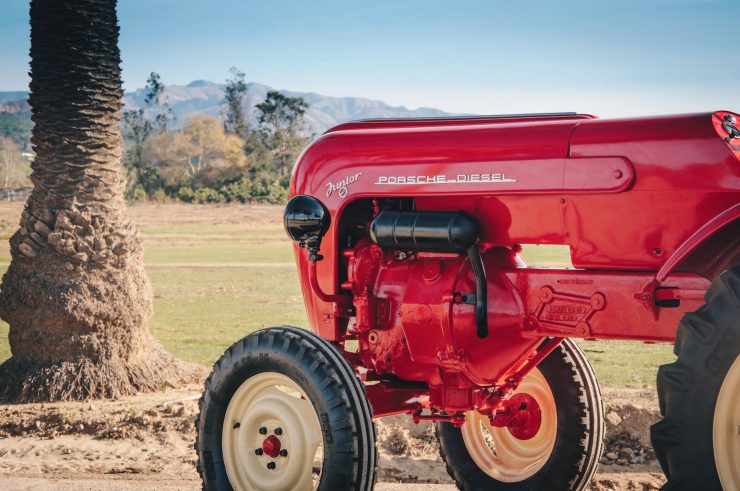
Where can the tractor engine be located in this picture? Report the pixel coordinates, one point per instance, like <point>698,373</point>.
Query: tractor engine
<point>432,304</point>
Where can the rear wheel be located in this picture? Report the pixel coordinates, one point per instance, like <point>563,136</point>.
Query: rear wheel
<point>698,440</point>
<point>555,443</point>
<point>283,411</point>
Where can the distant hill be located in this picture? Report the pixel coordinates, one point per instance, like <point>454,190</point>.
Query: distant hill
<point>12,96</point>
<point>204,97</point>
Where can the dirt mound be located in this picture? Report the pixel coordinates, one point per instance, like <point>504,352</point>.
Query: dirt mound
<point>50,422</point>
<point>153,434</point>
<point>629,414</point>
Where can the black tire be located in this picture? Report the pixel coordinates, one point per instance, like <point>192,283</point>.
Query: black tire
<point>578,442</point>
<point>707,343</point>
<point>329,382</point>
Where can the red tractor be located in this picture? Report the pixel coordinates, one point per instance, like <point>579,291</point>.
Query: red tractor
<point>407,237</point>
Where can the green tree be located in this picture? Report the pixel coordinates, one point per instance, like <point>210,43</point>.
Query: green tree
<point>281,121</point>
<point>260,157</point>
<point>282,113</point>
<point>235,120</point>
<point>75,294</point>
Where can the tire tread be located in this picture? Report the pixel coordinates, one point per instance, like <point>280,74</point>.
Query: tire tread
<point>707,343</point>
<point>342,388</point>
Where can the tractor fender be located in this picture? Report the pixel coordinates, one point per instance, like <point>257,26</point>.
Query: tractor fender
<point>701,237</point>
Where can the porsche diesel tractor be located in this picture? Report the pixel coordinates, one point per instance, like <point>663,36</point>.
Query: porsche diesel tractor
<point>408,236</point>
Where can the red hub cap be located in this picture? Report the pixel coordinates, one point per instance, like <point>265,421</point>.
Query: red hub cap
<point>271,446</point>
<point>522,416</point>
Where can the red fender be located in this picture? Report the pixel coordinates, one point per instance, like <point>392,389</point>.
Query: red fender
<point>697,239</point>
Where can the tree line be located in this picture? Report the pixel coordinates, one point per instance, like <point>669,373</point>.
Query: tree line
<point>209,159</point>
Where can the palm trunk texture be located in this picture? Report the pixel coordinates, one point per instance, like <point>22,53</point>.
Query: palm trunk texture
<point>76,295</point>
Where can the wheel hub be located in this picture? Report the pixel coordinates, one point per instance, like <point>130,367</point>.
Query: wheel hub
<point>522,416</point>
<point>271,446</point>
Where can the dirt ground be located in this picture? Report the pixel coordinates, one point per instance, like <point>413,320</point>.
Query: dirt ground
<point>145,442</point>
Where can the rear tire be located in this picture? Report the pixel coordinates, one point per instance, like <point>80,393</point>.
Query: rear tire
<point>577,440</point>
<point>698,395</point>
<point>295,389</point>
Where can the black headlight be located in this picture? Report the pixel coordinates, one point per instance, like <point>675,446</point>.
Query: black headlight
<point>306,220</point>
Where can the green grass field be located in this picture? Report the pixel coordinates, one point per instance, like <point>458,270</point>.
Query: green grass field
<point>216,282</point>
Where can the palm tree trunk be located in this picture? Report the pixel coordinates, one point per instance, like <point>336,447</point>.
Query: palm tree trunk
<point>76,295</point>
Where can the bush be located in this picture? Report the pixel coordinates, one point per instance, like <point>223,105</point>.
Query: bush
<point>151,182</point>
<point>185,194</point>
<point>237,191</point>
<point>208,195</point>
<point>139,194</point>
<point>159,195</point>
<point>267,191</point>
<point>243,190</point>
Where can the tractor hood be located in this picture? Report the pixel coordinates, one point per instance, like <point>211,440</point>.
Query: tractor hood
<point>437,156</point>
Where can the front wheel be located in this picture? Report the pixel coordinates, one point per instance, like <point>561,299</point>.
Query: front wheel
<point>283,411</point>
<point>556,445</point>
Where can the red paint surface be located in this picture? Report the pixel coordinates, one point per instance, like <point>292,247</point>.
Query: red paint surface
<point>697,238</point>
<point>628,196</point>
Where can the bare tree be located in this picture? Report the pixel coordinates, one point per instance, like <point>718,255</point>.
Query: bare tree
<point>161,111</point>
<point>13,166</point>
<point>140,124</point>
<point>76,295</point>
<point>202,154</point>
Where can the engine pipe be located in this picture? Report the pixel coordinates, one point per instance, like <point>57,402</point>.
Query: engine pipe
<point>314,281</point>
<point>431,231</point>
<point>481,291</point>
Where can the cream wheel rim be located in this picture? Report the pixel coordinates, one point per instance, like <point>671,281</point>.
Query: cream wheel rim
<point>726,429</point>
<point>271,436</point>
<point>500,454</point>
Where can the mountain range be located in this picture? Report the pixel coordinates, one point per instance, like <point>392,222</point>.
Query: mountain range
<point>204,97</point>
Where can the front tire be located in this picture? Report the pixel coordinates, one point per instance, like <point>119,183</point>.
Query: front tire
<point>564,452</point>
<point>281,404</point>
<point>697,441</point>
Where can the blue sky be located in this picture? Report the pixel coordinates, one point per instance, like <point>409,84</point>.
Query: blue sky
<point>611,58</point>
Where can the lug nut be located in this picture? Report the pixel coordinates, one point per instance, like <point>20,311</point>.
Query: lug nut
<point>271,465</point>
<point>278,431</point>
<point>283,453</point>
<point>258,451</point>
<point>263,431</point>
